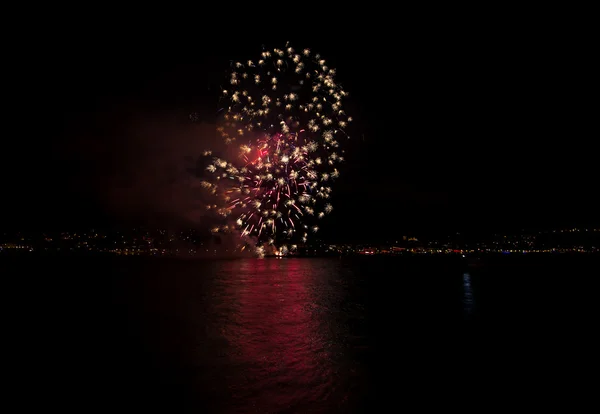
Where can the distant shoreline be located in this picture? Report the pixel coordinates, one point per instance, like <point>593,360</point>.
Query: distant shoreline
<point>467,258</point>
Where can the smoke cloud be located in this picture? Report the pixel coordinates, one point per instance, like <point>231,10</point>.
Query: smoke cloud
<point>145,168</point>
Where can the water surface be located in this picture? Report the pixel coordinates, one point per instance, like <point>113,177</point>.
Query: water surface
<point>297,335</point>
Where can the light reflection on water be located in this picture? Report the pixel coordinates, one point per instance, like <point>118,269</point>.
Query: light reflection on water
<point>277,331</point>
<point>281,340</point>
<point>467,294</point>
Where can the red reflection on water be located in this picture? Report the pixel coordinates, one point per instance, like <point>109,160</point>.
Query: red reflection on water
<point>276,333</point>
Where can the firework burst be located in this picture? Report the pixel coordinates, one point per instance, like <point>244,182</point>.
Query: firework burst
<point>284,118</point>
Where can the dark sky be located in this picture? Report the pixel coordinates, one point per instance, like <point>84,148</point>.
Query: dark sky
<point>457,129</point>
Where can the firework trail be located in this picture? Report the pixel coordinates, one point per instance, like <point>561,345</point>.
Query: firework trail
<point>284,117</point>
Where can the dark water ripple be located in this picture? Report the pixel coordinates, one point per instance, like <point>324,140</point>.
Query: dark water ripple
<point>297,335</point>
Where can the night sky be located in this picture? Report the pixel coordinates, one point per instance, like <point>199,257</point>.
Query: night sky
<point>456,129</point>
